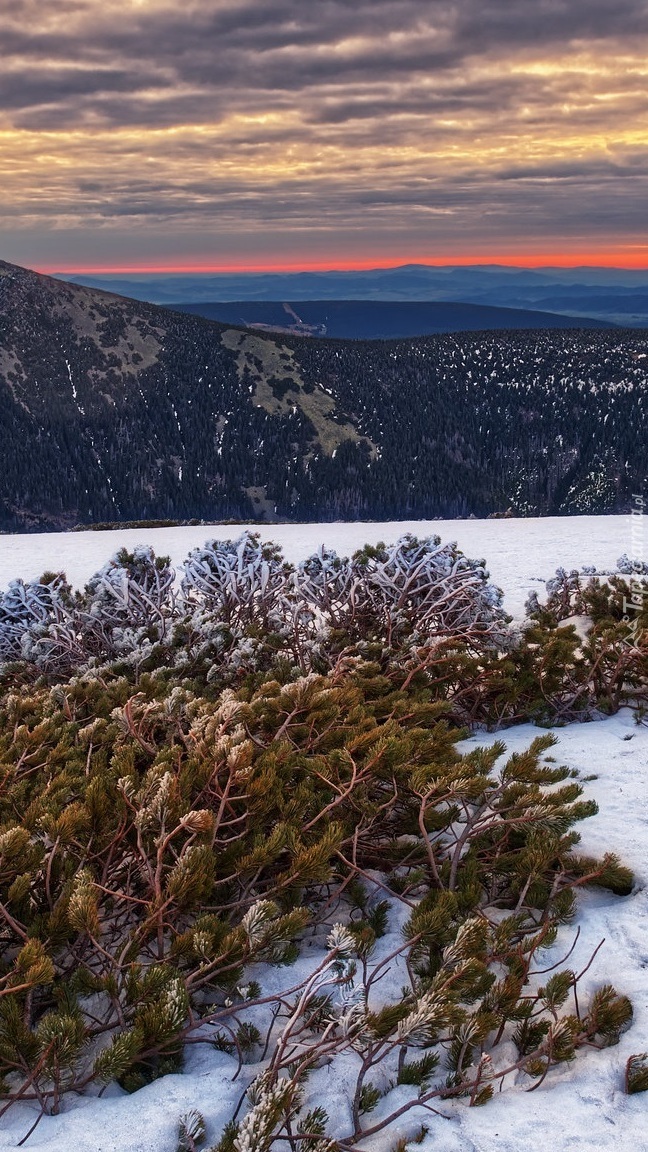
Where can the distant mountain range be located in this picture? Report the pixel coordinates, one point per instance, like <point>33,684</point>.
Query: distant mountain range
<point>112,409</point>
<point>614,294</point>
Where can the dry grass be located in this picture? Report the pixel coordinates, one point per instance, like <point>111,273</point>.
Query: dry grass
<point>264,359</point>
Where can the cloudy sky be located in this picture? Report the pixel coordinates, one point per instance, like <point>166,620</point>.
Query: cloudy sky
<point>299,133</point>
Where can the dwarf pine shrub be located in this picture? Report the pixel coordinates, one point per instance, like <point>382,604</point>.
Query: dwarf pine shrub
<point>420,609</point>
<point>592,637</point>
<point>154,845</point>
<point>196,782</point>
<point>241,606</point>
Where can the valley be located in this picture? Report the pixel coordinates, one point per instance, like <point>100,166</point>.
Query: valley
<point>114,409</point>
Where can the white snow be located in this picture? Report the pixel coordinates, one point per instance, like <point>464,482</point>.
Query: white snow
<point>579,1107</point>
<point>73,386</point>
<point>583,1107</point>
<point>520,554</point>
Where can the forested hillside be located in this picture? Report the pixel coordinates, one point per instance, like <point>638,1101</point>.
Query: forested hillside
<point>378,319</point>
<point>117,410</point>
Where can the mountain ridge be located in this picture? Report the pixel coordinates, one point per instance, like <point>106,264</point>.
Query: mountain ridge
<point>118,410</point>
<point>378,319</point>
<point>490,285</point>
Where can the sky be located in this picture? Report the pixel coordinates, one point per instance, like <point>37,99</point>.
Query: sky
<point>234,134</point>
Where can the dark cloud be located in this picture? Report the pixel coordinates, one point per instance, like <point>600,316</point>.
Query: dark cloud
<point>65,86</point>
<point>508,115</point>
<point>288,46</point>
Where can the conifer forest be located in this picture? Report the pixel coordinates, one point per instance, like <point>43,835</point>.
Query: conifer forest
<point>115,410</point>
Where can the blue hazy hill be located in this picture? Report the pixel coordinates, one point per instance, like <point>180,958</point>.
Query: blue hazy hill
<point>615,294</point>
<point>380,319</point>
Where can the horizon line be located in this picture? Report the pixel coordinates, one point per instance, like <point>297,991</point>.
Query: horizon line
<point>616,261</point>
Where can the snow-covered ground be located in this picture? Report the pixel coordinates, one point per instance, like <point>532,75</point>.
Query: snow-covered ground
<point>583,1107</point>
<point>520,554</point>
<point>578,1108</point>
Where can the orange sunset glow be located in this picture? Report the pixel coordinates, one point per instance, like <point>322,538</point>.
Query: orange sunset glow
<point>618,258</point>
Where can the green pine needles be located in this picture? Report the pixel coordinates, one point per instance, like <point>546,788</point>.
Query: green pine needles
<point>162,831</point>
<point>154,845</point>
